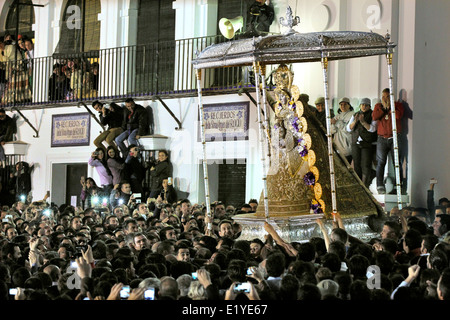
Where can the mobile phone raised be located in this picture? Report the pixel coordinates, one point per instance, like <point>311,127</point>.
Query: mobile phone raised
<point>149,294</point>
<point>125,292</point>
<point>242,287</point>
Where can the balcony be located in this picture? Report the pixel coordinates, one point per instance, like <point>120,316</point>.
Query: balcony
<point>162,70</point>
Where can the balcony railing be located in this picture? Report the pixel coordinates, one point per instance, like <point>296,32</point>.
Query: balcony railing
<point>161,69</point>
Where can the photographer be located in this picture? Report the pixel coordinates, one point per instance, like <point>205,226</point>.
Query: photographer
<point>363,129</point>
<point>98,161</point>
<point>110,116</point>
<point>90,192</point>
<point>159,171</point>
<point>121,194</point>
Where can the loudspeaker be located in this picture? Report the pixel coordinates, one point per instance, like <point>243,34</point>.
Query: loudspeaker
<point>228,27</point>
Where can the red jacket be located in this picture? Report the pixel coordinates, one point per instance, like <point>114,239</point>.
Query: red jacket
<point>384,126</point>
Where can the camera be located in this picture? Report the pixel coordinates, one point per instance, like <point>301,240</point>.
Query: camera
<point>79,252</point>
<point>13,291</point>
<point>242,287</point>
<point>194,275</point>
<point>137,197</point>
<point>149,294</point>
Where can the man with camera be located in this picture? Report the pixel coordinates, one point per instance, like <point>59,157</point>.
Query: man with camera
<point>111,116</point>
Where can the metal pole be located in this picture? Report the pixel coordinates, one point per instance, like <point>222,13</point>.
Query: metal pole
<point>329,136</point>
<point>256,68</point>
<point>394,129</point>
<point>204,160</point>
<point>16,49</point>
<point>266,112</point>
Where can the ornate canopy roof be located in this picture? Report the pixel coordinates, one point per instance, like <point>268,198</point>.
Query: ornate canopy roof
<point>293,47</point>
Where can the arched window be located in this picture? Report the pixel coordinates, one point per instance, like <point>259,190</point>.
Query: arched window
<point>80,27</point>
<point>26,19</point>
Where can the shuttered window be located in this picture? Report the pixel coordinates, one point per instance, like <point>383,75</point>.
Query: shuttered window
<point>80,27</point>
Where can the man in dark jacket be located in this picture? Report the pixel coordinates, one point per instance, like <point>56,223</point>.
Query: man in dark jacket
<point>6,133</point>
<point>364,135</point>
<point>135,169</point>
<point>111,117</point>
<point>135,124</point>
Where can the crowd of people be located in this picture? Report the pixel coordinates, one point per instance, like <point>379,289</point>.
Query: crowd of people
<point>172,249</point>
<point>74,79</point>
<point>364,137</point>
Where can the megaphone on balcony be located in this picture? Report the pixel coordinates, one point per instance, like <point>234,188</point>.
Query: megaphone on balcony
<point>229,27</point>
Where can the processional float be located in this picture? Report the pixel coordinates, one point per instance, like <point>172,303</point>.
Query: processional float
<point>304,177</point>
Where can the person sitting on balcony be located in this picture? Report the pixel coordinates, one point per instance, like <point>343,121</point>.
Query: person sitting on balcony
<point>6,133</point>
<point>110,116</point>
<point>135,124</point>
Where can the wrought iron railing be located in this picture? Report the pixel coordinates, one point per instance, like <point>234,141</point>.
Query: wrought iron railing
<point>158,69</point>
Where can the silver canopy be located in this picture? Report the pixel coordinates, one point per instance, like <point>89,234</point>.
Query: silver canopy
<point>293,48</point>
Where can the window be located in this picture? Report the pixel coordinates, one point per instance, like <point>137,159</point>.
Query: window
<point>26,19</point>
<point>80,28</point>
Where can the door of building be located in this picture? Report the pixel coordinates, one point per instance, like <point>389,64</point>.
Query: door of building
<point>66,187</point>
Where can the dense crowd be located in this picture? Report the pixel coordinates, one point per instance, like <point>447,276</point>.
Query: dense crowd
<point>175,251</point>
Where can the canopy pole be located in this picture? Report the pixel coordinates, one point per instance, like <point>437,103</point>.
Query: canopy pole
<point>394,129</point>
<point>256,69</point>
<point>329,136</point>
<point>266,111</point>
<point>204,159</point>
